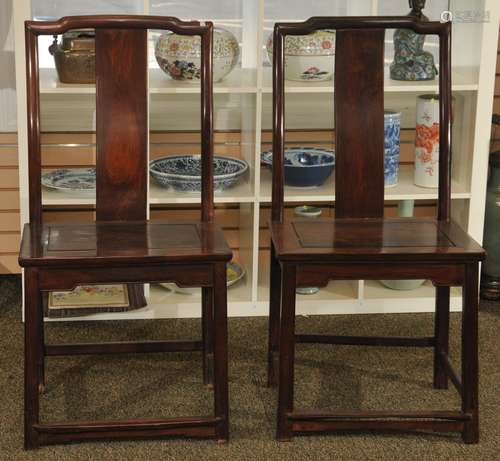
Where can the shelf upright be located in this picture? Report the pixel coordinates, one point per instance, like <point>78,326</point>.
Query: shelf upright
<point>259,26</point>
<point>22,11</point>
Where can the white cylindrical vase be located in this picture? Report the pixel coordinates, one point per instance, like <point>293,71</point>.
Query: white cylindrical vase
<point>427,141</point>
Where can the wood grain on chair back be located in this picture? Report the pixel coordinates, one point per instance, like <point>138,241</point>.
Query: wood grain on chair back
<point>122,127</point>
<point>359,123</point>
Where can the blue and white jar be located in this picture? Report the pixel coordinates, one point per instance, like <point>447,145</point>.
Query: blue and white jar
<point>392,131</point>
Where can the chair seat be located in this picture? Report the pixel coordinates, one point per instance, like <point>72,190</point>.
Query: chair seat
<point>331,240</point>
<point>122,243</point>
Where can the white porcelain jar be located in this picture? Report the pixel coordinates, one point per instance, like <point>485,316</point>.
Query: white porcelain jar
<point>308,58</point>
<point>427,141</point>
<point>179,56</point>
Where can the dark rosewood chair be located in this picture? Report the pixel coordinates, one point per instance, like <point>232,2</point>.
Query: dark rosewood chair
<point>122,246</point>
<point>359,243</point>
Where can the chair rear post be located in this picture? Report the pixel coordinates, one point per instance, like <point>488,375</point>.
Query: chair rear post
<point>34,148</point>
<point>278,124</point>
<point>445,117</point>
<point>207,141</point>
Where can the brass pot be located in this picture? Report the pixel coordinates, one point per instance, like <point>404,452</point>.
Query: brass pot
<point>75,56</point>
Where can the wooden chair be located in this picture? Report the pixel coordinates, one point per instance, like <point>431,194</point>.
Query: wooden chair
<point>359,243</point>
<point>122,246</point>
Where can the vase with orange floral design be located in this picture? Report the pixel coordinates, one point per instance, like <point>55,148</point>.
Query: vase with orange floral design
<point>427,141</point>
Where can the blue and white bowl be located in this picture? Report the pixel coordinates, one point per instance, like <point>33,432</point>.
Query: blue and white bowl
<point>304,166</point>
<point>77,180</point>
<point>392,130</point>
<point>183,172</point>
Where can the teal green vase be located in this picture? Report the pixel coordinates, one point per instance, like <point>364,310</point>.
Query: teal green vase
<point>490,276</point>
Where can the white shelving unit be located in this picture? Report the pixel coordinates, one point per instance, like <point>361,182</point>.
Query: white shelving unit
<point>243,105</point>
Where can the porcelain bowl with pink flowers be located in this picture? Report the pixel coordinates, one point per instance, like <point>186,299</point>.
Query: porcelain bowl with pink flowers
<point>308,58</point>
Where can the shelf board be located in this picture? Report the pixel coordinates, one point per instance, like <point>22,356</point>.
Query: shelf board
<point>342,292</point>
<point>168,304</point>
<point>338,290</point>
<point>463,79</point>
<point>243,192</point>
<point>238,81</point>
<point>50,84</point>
<point>163,303</point>
<point>404,190</point>
<point>339,297</point>
<point>245,81</point>
<point>240,193</point>
<point>57,197</point>
<point>373,289</point>
<point>378,298</point>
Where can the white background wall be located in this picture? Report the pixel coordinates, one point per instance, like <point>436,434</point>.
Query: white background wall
<point>7,69</point>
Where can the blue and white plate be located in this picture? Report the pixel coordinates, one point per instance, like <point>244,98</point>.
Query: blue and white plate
<point>305,166</point>
<point>234,273</point>
<point>81,180</point>
<point>183,172</point>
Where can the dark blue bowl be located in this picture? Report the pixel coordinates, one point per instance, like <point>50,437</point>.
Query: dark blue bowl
<point>304,166</point>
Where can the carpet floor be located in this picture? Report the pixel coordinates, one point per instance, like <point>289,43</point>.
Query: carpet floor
<point>327,377</point>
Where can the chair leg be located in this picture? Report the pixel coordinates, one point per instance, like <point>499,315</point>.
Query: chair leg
<point>274,318</point>
<point>220,352</point>
<point>41,353</point>
<point>470,368</point>
<point>207,315</point>
<point>441,335</point>
<point>33,344</point>
<point>286,353</point>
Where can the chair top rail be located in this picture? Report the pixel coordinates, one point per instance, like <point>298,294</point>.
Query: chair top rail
<point>363,22</point>
<point>117,22</point>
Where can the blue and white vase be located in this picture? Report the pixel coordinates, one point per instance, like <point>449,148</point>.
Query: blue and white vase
<point>392,140</point>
